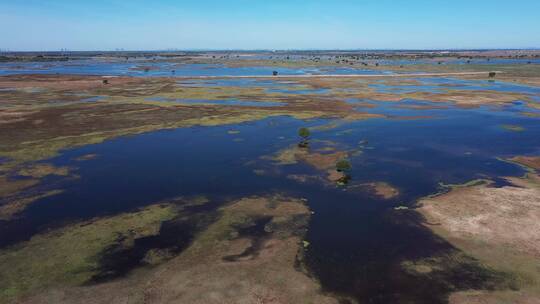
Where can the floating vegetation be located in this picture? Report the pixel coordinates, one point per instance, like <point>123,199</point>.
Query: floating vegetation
<point>513,128</point>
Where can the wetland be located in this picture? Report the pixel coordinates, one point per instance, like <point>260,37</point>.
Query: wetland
<point>204,178</point>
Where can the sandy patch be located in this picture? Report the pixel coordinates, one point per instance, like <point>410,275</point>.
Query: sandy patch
<point>498,226</point>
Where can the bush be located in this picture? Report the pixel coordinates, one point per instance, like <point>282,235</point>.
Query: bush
<point>343,165</point>
<point>304,133</point>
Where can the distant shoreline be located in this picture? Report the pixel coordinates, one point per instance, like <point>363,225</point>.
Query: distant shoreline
<point>339,75</point>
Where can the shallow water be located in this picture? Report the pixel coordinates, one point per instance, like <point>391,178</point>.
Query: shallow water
<point>443,84</point>
<point>159,68</point>
<point>357,240</point>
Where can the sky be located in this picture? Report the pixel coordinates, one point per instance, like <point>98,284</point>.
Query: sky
<point>51,25</point>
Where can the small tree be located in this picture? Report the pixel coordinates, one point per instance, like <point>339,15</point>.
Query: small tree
<point>492,74</point>
<point>344,166</point>
<point>304,134</point>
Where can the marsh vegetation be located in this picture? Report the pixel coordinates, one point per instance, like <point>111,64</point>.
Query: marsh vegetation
<point>155,187</point>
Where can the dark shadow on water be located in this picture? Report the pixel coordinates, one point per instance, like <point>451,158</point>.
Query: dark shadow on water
<point>174,236</point>
<point>256,233</point>
<point>365,262</point>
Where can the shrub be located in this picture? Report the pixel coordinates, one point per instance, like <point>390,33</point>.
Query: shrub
<point>304,133</point>
<point>343,165</point>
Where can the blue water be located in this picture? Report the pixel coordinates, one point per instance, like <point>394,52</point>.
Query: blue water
<point>442,84</point>
<point>478,85</point>
<point>234,82</point>
<point>483,61</point>
<point>158,68</point>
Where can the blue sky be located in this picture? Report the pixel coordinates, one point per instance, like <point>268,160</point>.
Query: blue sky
<point>270,24</point>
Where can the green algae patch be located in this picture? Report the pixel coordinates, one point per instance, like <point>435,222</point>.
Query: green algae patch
<point>69,256</point>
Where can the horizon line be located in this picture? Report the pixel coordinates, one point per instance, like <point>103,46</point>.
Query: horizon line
<point>271,50</point>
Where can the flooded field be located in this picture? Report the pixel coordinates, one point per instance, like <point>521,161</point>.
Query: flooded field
<point>126,179</point>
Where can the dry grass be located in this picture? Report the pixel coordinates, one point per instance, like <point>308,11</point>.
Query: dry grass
<point>498,226</point>
<point>528,161</point>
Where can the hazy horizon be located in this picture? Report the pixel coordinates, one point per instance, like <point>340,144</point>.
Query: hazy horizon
<point>273,50</point>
